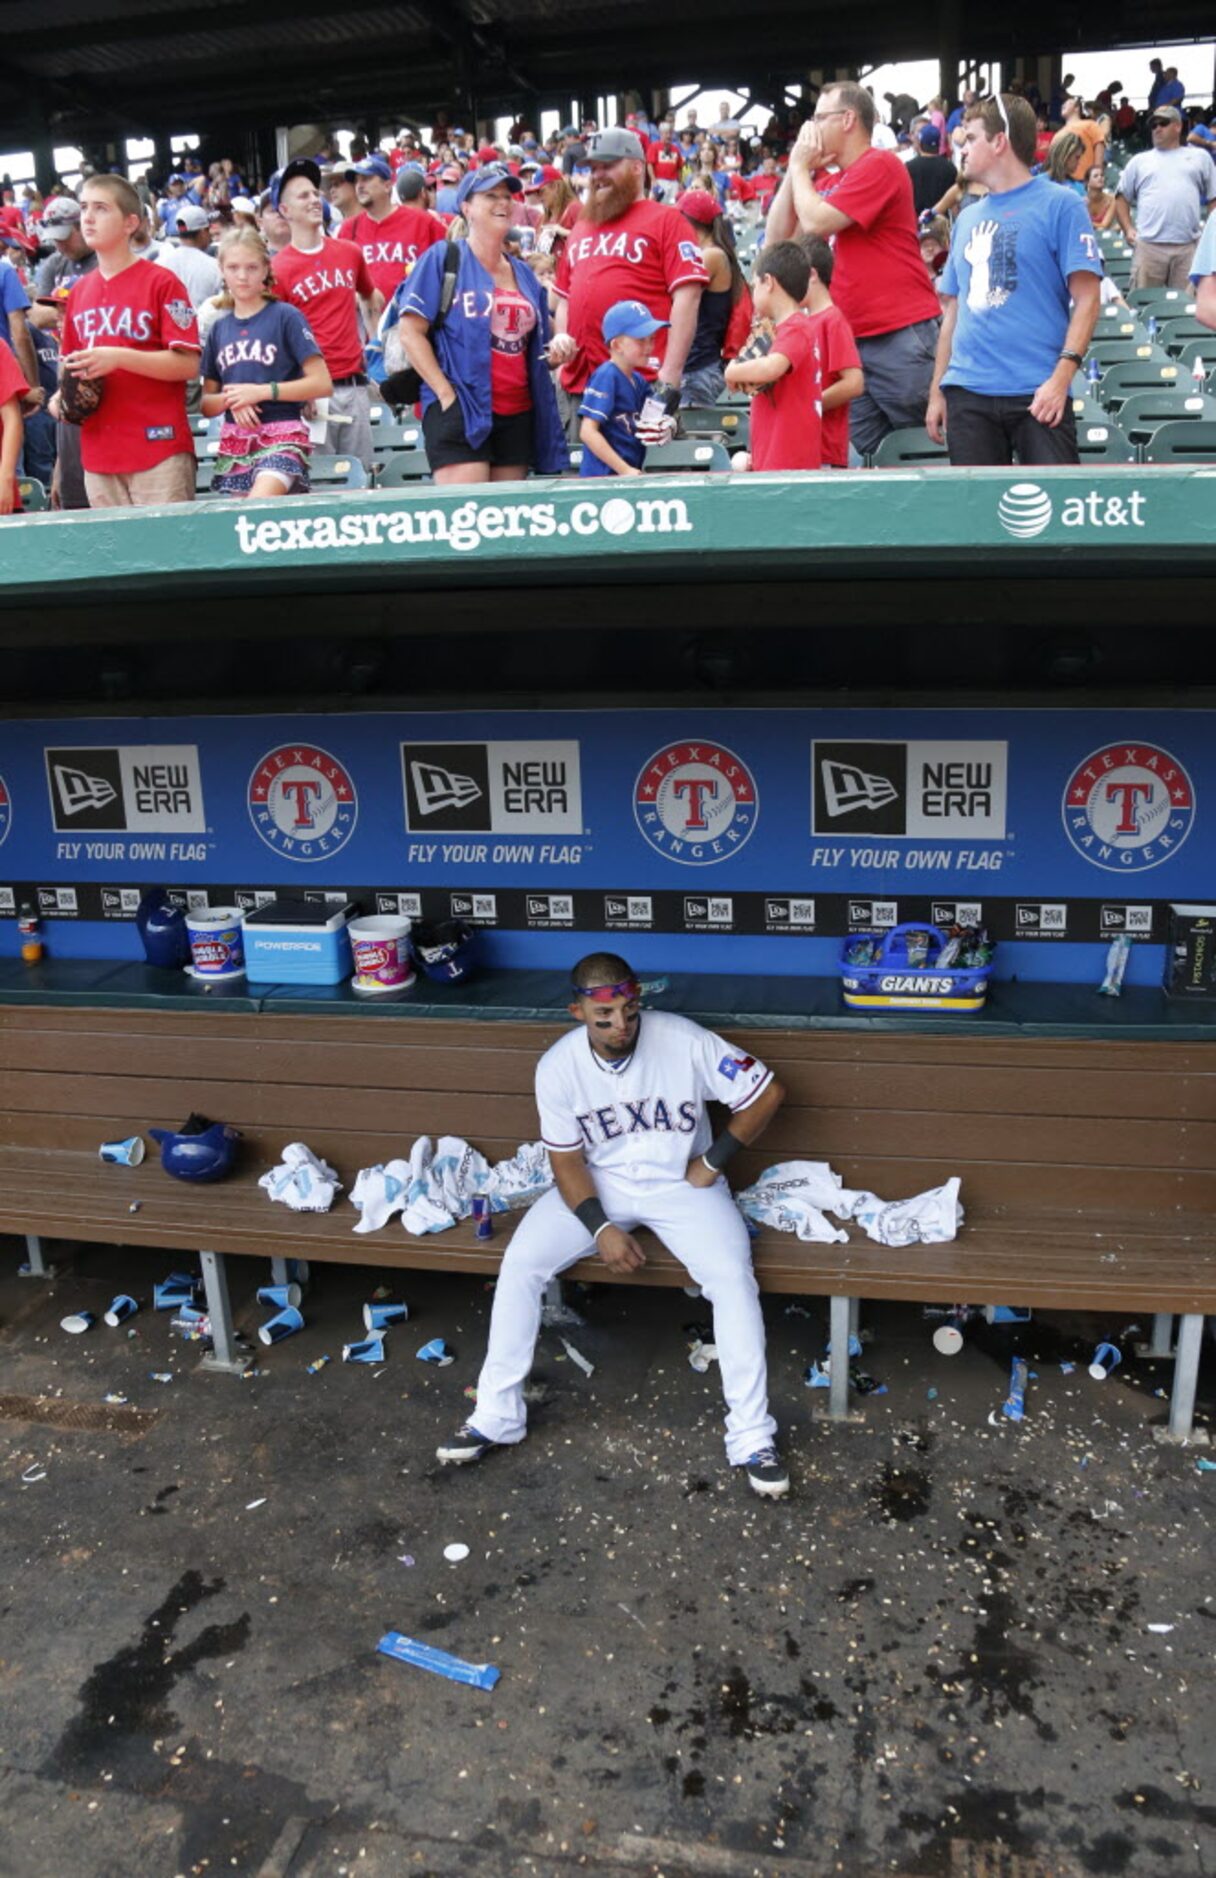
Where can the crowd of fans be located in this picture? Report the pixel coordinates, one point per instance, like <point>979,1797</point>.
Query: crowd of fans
<point>932,264</point>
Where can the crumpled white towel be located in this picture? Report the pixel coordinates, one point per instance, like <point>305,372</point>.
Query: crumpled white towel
<point>929,1218</point>
<point>794,1196</point>
<point>435,1187</point>
<point>301,1181</point>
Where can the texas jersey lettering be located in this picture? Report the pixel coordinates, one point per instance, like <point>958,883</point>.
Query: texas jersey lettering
<point>643,1121</point>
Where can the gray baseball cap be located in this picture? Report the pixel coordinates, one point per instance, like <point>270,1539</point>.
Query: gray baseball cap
<point>609,146</point>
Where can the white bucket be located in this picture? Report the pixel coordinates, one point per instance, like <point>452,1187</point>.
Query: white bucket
<point>217,944</point>
<point>380,946</point>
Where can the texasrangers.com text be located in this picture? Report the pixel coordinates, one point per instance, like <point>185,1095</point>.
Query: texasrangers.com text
<point>464,528</point>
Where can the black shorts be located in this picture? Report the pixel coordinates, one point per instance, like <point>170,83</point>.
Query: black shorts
<point>509,442</point>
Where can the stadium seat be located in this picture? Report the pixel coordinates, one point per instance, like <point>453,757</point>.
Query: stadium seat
<point>1175,334</point>
<point>344,472</point>
<point>388,435</point>
<point>901,449</point>
<point>1114,322</point>
<point>401,467</point>
<point>1191,441</point>
<point>33,493</point>
<point>1145,411</point>
<point>1085,409</point>
<point>1163,301</point>
<point>1102,441</point>
<point>1123,351</point>
<point>1137,375</point>
<point>688,453</point>
<point>733,426</point>
<point>1203,349</point>
<point>204,476</point>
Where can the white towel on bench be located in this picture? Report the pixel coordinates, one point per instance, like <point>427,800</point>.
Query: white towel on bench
<point>435,1187</point>
<point>794,1196</point>
<point>301,1181</point>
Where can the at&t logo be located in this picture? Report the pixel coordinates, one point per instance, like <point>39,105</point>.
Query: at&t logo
<point>302,802</point>
<point>1025,510</point>
<point>1128,807</point>
<point>695,802</point>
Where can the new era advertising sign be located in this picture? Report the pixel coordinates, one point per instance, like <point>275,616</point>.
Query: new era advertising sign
<point>925,791</point>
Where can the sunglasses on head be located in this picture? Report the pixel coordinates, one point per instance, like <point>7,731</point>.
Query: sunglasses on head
<point>999,102</point>
<point>604,994</point>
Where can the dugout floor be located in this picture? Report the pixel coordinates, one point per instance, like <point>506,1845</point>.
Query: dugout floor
<point>944,1658</point>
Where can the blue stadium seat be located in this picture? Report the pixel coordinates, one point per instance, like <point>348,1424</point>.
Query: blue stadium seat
<point>1145,411</point>
<point>401,467</point>
<point>345,472</point>
<point>902,449</point>
<point>33,493</point>
<point>1191,441</point>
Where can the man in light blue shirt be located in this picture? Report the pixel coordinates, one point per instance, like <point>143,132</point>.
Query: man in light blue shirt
<point>1020,297</point>
<point>1203,277</point>
<point>1171,187</point>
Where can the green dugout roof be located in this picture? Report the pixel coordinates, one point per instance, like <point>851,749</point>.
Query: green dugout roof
<point>968,524</point>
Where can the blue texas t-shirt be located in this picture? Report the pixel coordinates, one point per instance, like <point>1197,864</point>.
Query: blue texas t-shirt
<point>1010,258</point>
<point>270,348</point>
<point>614,399</point>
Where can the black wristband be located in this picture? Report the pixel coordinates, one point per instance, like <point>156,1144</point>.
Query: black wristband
<point>720,1151</point>
<point>590,1213</point>
<point>1074,358</point>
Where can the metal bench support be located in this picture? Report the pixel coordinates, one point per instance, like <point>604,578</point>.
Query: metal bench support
<point>1163,1332</point>
<point>35,1265</point>
<point>224,1357</point>
<point>839,1322</point>
<point>1186,1374</point>
<point>278,1272</point>
<point>556,1311</point>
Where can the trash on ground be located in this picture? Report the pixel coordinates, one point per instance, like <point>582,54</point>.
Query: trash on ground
<point>160,1375</point>
<point>1159,1630</point>
<point>33,1474</point>
<point>437,1351</point>
<point>816,1378</point>
<point>455,1553</point>
<point>1066,1369</point>
<point>1014,1406</point>
<point>864,1384</point>
<point>1204,1466</point>
<point>1105,1358</point>
<point>119,1311</point>
<point>77,1323</point>
<point>284,1323</point>
<point>405,1558</point>
<point>382,1314</point>
<point>368,1350</point>
<point>947,1340</point>
<point>320,1363</point>
<point>701,1355</point>
<point>114,1399</point>
<point>424,1656</point>
<point>577,1358</point>
<point>251,1506</point>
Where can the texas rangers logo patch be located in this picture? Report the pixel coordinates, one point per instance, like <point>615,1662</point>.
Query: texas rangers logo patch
<point>302,802</point>
<point>695,802</point>
<point>1128,807</point>
<point>181,313</point>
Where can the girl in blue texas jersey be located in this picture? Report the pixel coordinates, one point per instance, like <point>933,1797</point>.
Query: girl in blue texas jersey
<point>261,364</point>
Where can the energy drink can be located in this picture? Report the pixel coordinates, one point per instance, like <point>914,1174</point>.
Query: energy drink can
<point>483,1222</point>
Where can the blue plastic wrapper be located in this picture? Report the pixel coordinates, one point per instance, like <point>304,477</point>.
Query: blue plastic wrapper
<point>423,1656</point>
<point>1014,1406</point>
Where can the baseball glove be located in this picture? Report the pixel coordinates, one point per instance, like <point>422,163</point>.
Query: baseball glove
<point>78,397</point>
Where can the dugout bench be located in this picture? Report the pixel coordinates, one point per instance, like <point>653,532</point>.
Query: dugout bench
<point>1086,1140</point>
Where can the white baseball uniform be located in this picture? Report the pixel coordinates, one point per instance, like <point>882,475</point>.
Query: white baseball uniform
<point>639,1122</point>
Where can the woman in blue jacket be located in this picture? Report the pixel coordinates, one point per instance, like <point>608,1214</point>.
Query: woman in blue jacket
<point>489,411</point>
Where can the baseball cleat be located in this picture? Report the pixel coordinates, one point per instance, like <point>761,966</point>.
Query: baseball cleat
<point>466,1445</point>
<point>767,1474</point>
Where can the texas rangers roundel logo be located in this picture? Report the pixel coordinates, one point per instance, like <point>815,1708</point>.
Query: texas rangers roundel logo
<point>6,811</point>
<point>302,802</point>
<point>1128,807</point>
<point>696,802</point>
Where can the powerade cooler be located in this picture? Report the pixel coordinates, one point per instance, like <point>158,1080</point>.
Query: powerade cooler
<point>298,942</point>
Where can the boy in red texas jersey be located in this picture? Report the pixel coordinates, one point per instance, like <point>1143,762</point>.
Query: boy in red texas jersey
<point>130,323</point>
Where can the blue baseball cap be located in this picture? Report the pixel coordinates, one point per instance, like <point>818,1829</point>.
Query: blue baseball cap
<point>629,319</point>
<point>373,165</point>
<point>487,178</point>
<point>299,166</point>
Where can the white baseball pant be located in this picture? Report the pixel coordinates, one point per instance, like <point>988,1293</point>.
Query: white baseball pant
<point>704,1229</point>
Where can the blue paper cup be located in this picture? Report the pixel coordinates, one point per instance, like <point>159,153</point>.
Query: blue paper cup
<point>285,1324</point>
<point>280,1296</point>
<point>128,1153</point>
<point>122,1308</point>
<point>77,1323</point>
<point>371,1350</point>
<point>437,1351</point>
<point>1105,1358</point>
<point>384,1316</point>
<point>173,1294</point>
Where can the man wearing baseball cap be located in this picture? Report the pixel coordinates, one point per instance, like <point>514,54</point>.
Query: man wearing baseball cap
<point>191,260</point>
<point>623,247</point>
<point>61,226</point>
<point>391,235</point>
<point>1171,186</point>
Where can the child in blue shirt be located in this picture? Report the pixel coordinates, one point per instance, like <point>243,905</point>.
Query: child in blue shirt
<point>616,392</point>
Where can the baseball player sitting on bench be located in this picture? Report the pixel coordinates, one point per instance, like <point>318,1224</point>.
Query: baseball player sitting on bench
<point>622,1110</point>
